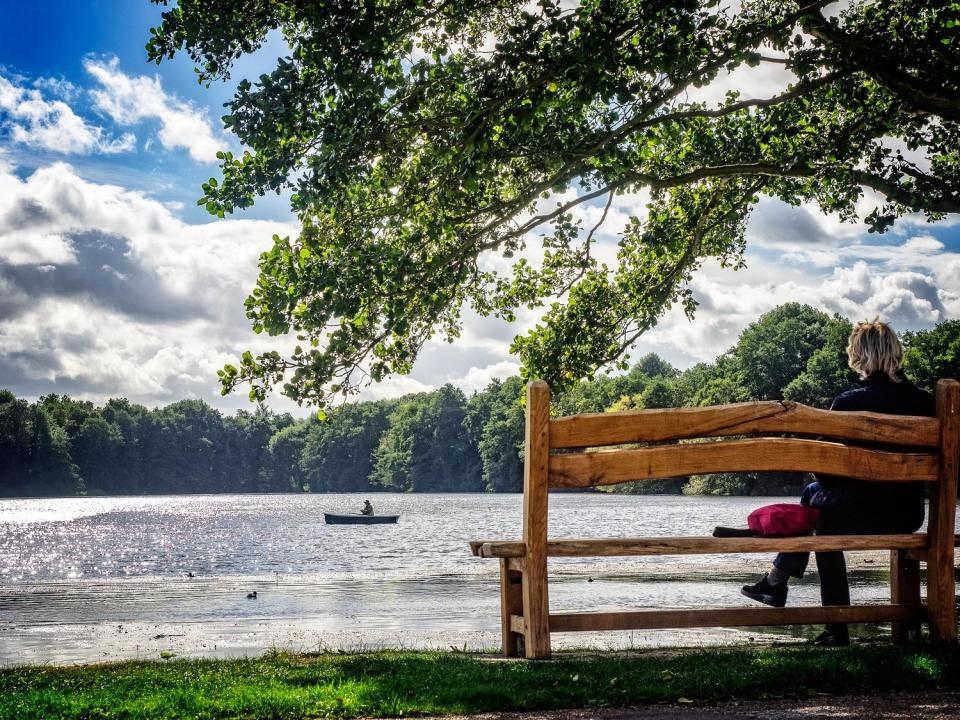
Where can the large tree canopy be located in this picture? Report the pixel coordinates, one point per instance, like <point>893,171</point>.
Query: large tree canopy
<point>425,141</point>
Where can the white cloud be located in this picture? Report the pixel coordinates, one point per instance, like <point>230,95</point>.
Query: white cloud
<point>52,125</point>
<point>104,292</point>
<point>132,302</point>
<point>911,285</point>
<point>58,87</point>
<point>923,244</point>
<point>393,387</point>
<point>763,81</point>
<point>129,100</point>
<point>477,378</point>
<point>905,299</point>
<point>125,299</point>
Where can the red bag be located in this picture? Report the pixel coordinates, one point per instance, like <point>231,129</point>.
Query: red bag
<point>783,519</point>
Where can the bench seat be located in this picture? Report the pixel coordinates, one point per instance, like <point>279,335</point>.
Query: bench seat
<point>694,545</point>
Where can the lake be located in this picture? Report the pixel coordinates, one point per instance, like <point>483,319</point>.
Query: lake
<point>89,579</point>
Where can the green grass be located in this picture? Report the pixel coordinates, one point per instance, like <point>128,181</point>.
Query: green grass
<point>418,683</point>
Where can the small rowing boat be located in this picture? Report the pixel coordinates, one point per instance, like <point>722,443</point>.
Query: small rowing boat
<point>358,519</point>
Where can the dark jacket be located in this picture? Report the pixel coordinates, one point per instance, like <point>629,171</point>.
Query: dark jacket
<point>859,506</point>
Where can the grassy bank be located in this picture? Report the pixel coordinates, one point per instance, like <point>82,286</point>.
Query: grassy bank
<point>417,683</point>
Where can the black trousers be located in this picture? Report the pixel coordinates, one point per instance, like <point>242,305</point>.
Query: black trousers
<point>832,567</point>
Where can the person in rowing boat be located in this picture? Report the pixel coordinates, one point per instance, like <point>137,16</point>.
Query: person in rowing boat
<point>367,508</point>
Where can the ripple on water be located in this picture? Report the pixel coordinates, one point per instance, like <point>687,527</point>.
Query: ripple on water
<point>88,565</point>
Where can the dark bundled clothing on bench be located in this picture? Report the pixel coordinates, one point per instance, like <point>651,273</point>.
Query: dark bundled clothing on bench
<point>863,507</point>
<point>860,507</point>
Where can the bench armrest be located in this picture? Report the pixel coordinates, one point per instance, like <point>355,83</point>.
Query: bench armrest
<point>498,548</point>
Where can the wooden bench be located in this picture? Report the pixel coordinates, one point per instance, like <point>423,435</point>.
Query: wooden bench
<point>568,452</point>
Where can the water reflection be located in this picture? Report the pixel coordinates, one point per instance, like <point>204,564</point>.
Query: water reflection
<point>89,578</point>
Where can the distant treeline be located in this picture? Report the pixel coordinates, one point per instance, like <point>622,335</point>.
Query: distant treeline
<point>440,441</point>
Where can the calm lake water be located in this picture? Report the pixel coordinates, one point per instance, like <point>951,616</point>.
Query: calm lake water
<point>86,579</point>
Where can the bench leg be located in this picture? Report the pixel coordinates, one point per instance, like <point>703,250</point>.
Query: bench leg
<point>511,603</point>
<point>904,590</point>
<point>536,606</point>
<point>941,585</point>
<point>535,610</point>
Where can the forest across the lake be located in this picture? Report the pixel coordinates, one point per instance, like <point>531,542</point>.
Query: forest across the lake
<point>440,441</point>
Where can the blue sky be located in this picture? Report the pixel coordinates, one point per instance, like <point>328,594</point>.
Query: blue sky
<point>102,31</point>
<point>114,283</point>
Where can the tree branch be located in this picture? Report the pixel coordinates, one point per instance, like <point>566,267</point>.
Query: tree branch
<point>586,260</point>
<point>887,69</point>
<point>802,88</point>
<point>882,185</point>
<point>537,220</point>
<point>691,252</point>
<point>573,167</point>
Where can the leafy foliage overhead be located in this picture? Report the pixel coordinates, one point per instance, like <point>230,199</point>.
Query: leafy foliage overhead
<point>435,151</point>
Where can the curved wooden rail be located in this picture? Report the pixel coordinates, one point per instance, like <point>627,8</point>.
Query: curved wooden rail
<point>589,469</point>
<point>619,428</point>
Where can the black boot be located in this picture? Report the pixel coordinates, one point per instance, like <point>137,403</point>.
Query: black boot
<point>765,592</point>
<point>835,635</point>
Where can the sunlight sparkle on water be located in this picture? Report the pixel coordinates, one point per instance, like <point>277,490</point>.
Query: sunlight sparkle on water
<point>74,570</point>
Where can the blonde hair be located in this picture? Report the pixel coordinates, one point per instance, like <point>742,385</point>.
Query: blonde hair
<point>874,347</point>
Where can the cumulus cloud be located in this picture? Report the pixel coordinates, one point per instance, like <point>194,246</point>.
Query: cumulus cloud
<point>803,228</point>
<point>441,362</point>
<point>104,292</point>
<point>762,81</point>
<point>29,119</point>
<point>912,285</point>
<point>905,299</point>
<point>773,222</point>
<point>112,295</point>
<point>100,268</point>
<point>477,378</point>
<point>129,100</point>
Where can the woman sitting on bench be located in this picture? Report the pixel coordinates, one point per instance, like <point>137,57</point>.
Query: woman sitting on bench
<point>857,507</point>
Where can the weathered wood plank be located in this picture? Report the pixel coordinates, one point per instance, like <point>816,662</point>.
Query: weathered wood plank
<point>511,550</point>
<point>498,548</point>
<point>923,555</point>
<point>536,606</point>
<point>904,590</point>
<point>589,469</point>
<point>607,547</point>
<point>515,563</point>
<point>696,545</point>
<point>599,429</point>
<point>511,603</point>
<point>941,586</point>
<point>734,617</point>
